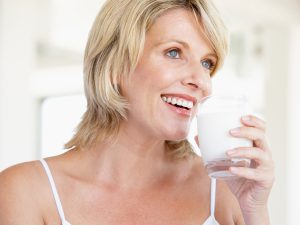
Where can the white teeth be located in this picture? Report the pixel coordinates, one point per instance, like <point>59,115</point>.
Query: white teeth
<point>178,101</point>
<point>174,101</point>
<point>185,103</point>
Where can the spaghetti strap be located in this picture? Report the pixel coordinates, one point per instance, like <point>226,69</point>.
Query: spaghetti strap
<point>55,193</point>
<point>213,196</point>
<point>211,220</point>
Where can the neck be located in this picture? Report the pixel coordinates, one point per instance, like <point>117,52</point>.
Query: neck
<point>131,161</point>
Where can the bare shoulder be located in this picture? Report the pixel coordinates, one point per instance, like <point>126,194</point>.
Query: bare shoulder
<point>19,187</point>
<point>18,179</point>
<point>20,171</point>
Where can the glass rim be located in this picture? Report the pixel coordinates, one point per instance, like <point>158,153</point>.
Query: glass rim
<point>223,103</point>
<point>241,97</point>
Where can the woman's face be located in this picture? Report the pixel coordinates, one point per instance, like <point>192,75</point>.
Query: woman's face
<point>173,74</point>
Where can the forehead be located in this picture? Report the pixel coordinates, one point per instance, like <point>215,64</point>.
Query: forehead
<point>178,24</point>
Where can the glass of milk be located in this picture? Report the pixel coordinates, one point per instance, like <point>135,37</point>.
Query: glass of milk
<point>217,114</point>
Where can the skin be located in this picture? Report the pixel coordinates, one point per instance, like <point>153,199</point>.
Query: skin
<point>133,180</point>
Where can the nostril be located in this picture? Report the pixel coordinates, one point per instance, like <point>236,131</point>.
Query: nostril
<point>194,85</point>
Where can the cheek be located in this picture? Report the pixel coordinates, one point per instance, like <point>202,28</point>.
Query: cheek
<point>158,77</point>
<point>153,74</point>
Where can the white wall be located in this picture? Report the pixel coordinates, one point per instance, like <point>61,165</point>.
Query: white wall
<point>276,112</point>
<point>17,57</point>
<point>293,125</point>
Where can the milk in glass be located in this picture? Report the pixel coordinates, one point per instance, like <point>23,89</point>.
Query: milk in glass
<point>217,115</point>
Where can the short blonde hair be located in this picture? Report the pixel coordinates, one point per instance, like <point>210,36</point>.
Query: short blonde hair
<point>114,47</point>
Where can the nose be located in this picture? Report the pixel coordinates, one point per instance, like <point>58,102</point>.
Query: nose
<point>198,78</point>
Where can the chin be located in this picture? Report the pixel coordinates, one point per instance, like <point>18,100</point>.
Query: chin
<point>177,136</point>
<point>174,132</point>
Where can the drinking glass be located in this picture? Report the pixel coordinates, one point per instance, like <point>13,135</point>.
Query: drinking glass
<point>217,114</point>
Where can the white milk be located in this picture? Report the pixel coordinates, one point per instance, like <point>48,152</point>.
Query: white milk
<point>215,140</point>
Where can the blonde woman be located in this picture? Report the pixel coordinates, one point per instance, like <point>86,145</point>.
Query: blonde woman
<point>129,161</point>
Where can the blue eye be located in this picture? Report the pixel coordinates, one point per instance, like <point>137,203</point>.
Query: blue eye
<point>208,64</point>
<point>174,53</point>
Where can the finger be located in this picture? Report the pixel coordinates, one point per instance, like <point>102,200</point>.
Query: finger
<point>252,133</point>
<point>254,121</point>
<point>244,172</point>
<point>264,175</point>
<point>255,154</point>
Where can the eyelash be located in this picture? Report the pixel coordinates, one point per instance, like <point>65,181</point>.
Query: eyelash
<point>211,62</point>
<point>174,49</point>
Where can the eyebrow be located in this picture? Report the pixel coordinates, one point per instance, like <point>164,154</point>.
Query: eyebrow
<point>186,45</point>
<point>173,40</point>
<point>212,55</point>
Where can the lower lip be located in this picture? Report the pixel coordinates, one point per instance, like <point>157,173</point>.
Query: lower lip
<point>180,111</point>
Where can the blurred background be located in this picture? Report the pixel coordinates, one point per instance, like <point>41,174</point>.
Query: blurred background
<point>41,89</point>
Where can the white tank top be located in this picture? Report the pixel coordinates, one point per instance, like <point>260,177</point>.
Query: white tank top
<point>209,221</point>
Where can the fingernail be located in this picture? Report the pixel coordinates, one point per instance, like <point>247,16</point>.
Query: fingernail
<point>230,152</point>
<point>246,118</point>
<point>235,131</point>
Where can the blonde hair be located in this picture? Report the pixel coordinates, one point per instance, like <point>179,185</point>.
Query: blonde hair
<point>115,44</point>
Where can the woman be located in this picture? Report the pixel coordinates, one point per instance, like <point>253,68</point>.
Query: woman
<point>129,161</point>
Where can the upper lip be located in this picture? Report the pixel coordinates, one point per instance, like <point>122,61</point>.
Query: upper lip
<point>182,96</point>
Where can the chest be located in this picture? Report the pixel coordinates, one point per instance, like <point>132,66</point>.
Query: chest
<point>134,208</point>
<point>139,210</point>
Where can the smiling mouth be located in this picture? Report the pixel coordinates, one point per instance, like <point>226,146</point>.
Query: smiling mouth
<point>178,102</point>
